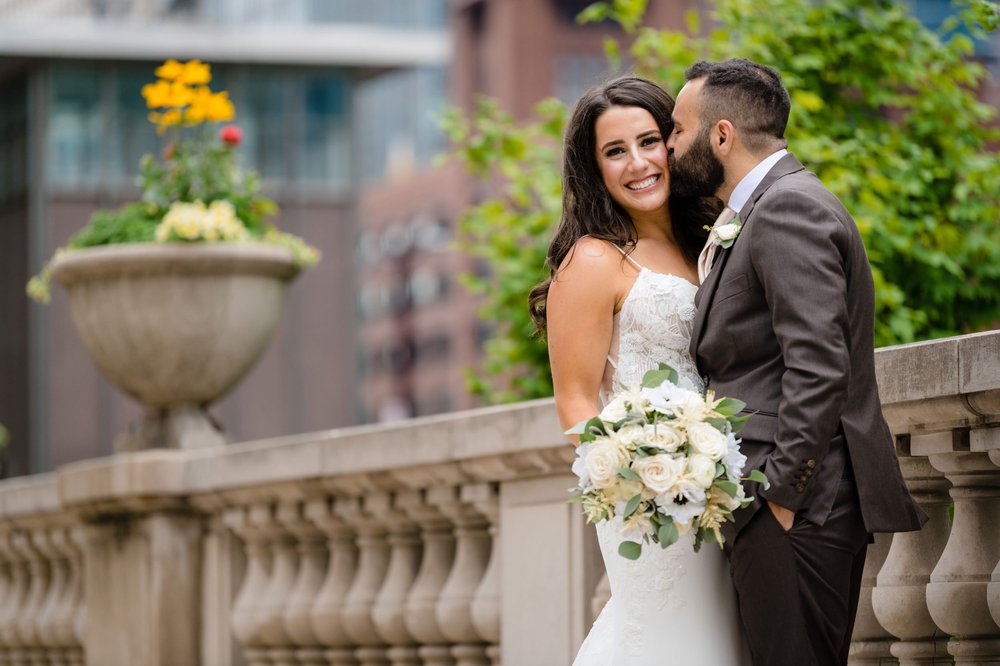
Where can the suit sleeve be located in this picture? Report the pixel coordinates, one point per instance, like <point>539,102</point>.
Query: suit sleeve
<point>798,250</point>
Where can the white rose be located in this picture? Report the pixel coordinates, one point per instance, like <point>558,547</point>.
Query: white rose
<point>629,435</point>
<point>708,441</point>
<point>702,470</point>
<point>727,232</point>
<point>660,472</point>
<point>603,461</point>
<point>663,435</point>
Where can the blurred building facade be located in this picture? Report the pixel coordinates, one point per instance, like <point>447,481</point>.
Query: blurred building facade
<point>73,128</point>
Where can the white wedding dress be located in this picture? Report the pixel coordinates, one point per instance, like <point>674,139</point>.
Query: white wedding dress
<point>670,607</point>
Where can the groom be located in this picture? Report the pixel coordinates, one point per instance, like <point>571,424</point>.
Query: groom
<point>785,323</point>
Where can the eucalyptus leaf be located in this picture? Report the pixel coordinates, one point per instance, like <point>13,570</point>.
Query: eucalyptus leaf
<point>631,506</point>
<point>667,534</point>
<point>628,473</point>
<point>630,550</point>
<point>730,406</point>
<point>759,477</point>
<point>655,378</point>
<point>728,487</point>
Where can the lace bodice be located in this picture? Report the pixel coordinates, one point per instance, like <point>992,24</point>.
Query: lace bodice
<point>653,326</point>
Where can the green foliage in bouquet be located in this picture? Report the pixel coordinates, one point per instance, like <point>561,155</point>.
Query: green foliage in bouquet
<point>884,110</point>
<point>196,191</point>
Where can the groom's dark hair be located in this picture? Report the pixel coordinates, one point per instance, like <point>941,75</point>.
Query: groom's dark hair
<point>747,94</point>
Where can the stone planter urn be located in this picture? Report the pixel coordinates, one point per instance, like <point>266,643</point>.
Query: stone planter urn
<point>175,326</point>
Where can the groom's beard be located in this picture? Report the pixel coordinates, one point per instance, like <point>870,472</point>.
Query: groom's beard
<point>698,172</point>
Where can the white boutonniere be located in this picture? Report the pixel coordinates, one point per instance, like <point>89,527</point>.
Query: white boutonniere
<point>725,235</point>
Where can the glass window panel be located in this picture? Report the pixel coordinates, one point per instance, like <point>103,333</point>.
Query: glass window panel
<point>75,137</point>
<point>397,118</point>
<point>324,137</point>
<point>134,135</point>
<point>261,111</point>
<point>14,138</point>
<point>575,74</point>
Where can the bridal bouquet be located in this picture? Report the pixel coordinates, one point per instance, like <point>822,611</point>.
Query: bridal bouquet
<point>661,460</point>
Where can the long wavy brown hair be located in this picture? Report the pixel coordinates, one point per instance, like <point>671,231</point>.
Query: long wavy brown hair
<point>588,209</point>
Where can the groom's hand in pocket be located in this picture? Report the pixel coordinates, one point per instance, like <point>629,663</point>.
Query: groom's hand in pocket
<point>784,516</point>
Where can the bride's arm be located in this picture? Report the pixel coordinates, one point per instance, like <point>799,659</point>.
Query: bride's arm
<point>580,310</point>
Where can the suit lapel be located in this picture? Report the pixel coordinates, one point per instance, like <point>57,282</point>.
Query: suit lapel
<point>703,299</point>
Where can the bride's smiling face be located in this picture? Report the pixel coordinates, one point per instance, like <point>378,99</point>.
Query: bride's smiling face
<point>632,157</point>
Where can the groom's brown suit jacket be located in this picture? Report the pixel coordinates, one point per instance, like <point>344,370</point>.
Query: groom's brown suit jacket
<point>785,323</point>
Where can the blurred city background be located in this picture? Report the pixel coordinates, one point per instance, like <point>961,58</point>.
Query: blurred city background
<point>340,102</point>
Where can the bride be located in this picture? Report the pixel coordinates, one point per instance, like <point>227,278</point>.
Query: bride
<point>620,301</point>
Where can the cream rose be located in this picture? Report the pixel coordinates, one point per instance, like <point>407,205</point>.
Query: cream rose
<point>659,472</point>
<point>663,435</point>
<point>629,435</point>
<point>708,441</point>
<point>603,461</point>
<point>702,470</point>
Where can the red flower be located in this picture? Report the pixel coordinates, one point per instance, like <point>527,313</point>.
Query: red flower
<point>231,134</point>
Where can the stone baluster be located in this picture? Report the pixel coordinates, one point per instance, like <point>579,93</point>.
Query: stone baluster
<point>27,620</point>
<point>957,592</point>
<point>438,557</point>
<point>284,570</point>
<point>327,609</point>
<point>993,590</point>
<point>870,642</point>
<point>64,609</point>
<point>472,552</point>
<point>10,591</point>
<point>245,623</point>
<point>77,618</point>
<point>297,613</point>
<point>373,562</point>
<point>389,609</point>
<point>47,624</point>
<point>486,602</point>
<point>900,595</point>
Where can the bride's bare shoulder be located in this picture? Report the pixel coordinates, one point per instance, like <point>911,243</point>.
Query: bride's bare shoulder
<point>589,255</point>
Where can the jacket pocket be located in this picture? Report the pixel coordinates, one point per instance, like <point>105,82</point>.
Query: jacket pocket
<point>732,287</point>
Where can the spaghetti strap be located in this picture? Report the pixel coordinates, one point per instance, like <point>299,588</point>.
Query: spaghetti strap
<point>630,259</point>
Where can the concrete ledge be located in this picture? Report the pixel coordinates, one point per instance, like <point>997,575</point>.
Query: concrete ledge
<point>480,439</point>
<point>29,496</point>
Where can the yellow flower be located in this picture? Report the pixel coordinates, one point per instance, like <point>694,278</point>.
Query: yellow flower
<point>195,72</point>
<point>157,94</point>
<point>208,106</point>
<point>170,70</point>
<point>220,108</point>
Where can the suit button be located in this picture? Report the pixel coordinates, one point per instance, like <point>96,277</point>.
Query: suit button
<point>800,487</point>
<point>704,380</point>
<point>810,464</point>
<point>809,472</point>
<point>804,477</point>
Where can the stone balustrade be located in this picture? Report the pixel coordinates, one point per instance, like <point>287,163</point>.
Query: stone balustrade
<point>447,541</point>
